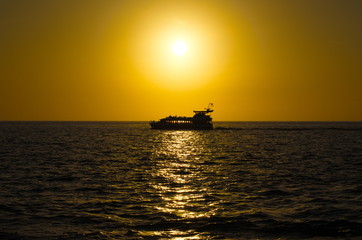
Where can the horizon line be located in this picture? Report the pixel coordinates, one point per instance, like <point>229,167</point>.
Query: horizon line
<point>146,121</point>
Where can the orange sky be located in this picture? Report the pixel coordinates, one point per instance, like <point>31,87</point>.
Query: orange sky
<point>112,60</point>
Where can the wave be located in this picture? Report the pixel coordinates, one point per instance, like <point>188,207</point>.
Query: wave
<point>239,226</point>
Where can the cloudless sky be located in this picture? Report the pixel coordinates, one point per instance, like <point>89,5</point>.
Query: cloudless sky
<point>280,60</point>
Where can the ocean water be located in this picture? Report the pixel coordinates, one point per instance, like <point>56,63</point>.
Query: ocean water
<point>122,180</point>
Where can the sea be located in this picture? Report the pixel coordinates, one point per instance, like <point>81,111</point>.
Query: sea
<point>122,180</point>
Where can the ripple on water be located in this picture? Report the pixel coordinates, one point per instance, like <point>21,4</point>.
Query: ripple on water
<point>124,181</point>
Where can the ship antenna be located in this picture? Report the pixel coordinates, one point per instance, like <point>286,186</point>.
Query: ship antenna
<point>208,109</point>
<point>210,105</point>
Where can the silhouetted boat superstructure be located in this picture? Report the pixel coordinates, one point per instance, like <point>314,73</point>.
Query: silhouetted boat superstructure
<point>201,120</point>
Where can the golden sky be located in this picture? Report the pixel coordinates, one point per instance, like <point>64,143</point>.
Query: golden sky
<point>115,60</point>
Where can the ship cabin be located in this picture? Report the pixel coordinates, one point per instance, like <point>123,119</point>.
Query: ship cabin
<point>177,120</point>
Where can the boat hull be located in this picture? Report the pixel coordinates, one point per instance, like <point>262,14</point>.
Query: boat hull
<point>180,126</point>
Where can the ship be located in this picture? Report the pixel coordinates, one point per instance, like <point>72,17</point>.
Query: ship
<point>200,121</point>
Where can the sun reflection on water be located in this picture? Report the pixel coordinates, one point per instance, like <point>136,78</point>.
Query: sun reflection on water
<point>179,180</point>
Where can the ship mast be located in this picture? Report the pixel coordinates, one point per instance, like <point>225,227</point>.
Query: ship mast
<point>207,110</point>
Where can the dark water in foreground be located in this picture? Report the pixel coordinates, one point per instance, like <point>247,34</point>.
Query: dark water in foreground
<point>110,180</point>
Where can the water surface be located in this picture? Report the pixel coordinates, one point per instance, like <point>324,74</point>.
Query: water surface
<point>121,180</point>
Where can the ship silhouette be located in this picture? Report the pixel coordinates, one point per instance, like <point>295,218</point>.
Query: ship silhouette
<point>200,121</point>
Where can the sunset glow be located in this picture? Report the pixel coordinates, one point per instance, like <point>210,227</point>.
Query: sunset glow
<point>268,61</point>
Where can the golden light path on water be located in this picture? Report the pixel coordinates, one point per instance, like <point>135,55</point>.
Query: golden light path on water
<point>179,177</point>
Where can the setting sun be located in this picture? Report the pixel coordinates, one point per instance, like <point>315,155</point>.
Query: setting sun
<point>136,60</point>
<point>180,48</point>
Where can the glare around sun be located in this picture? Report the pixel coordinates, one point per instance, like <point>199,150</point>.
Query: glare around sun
<point>179,48</point>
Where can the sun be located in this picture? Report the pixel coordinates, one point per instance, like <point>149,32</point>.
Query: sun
<point>179,48</point>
